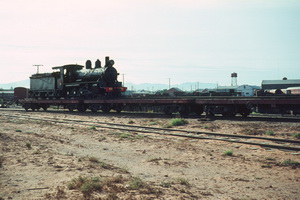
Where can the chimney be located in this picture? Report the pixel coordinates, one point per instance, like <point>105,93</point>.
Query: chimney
<point>106,61</point>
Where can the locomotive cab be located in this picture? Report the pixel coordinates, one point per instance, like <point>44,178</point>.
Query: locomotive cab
<point>65,73</point>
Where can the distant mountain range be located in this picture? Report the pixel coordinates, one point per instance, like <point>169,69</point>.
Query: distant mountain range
<point>24,83</point>
<point>131,86</point>
<point>190,86</point>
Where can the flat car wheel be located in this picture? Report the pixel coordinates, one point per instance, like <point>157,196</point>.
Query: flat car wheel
<point>105,108</point>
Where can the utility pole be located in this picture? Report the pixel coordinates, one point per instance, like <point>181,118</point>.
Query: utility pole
<point>123,79</point>
<point>37,68</point>
<point>169,83</point>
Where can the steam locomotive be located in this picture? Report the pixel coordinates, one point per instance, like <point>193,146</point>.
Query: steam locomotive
<point>74,81</point>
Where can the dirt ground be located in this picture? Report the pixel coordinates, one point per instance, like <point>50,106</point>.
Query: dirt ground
<point>44,160</point>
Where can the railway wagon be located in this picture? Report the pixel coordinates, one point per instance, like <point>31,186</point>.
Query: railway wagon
<point>166,105</point>
<point>20,93</point>
<point>230,106</point>
<point>226,106</point>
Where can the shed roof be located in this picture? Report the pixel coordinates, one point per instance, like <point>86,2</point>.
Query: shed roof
<point>237,87</point>
<point>174,89</point>
<point>279,82</point>
<point>227,87</point>
<point>6,92</point>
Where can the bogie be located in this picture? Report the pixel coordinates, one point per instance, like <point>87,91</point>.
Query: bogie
<point>105,108</point>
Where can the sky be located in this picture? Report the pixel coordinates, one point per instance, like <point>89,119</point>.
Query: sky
<point>154,41</point>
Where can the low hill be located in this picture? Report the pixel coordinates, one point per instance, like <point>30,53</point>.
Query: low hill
<point>24,83</point>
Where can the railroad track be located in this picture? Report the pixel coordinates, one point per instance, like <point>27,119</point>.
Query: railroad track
<point>265,142</point>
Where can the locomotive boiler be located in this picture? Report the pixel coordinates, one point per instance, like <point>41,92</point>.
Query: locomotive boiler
<point>73,81</point>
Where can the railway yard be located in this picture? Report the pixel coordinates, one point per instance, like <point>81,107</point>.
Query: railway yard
<point>72,155</point>
<point>163,122</point>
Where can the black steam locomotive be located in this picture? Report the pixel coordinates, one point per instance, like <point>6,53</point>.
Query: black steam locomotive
<point>73,81</point>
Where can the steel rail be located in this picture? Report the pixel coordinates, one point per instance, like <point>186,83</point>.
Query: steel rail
<point>195,134</point>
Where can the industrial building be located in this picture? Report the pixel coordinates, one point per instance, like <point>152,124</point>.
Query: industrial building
<point>240,90</point>
<point>280,84</point>
<point>175,92</point>
<point>233,90</point>
<point>7,94</point>
<point>14,94</point>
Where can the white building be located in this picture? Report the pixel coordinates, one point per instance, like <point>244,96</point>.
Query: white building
<point>241,90</point>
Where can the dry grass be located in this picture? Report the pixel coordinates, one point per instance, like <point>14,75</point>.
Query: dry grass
<point>178,122</point>
<point>1,161</point>
<point>112,186</point>
<point>228,153</point>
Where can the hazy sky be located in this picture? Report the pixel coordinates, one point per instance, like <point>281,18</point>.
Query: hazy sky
<point>154,40</point>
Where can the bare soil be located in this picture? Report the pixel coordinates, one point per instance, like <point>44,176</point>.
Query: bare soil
<point>44,160</point>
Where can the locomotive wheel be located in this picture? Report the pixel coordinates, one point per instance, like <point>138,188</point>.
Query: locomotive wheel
<point>183,111</point>
<point>81,108</point>
<point>26,107</point>
<point>105,108</point>
<point>167,110</point>
<point>74,92</point>
<point>228,114</point>
<point>245,114</point>
<point>71,107</point>
<point>210,114</point>
<point>58,94</point>
<point>199,112</point>
<point>197,109</point>
<point>94,108</point>
<point>48,95</point>
<point>118,108</point>
<point>83,91</point>
<point>45,108</point>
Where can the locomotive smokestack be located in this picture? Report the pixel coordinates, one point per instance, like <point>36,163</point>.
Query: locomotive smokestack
<point>98,64</point>
<point>106,61</point>
<point>88,64</point>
